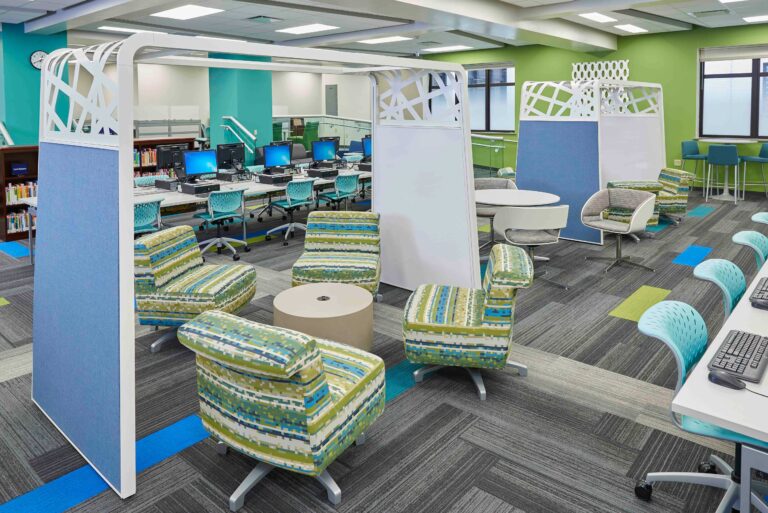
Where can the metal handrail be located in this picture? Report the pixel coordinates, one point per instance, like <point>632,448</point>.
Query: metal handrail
<point>240,126</point>
<point>5,134</point>
<point>227,127</point>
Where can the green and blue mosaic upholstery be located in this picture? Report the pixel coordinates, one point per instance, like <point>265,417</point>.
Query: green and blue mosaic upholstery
<point>623,215</point>
<point>173,285</point>
<point>280,396</point>
<point>340,247</point>
<point>446,325</point>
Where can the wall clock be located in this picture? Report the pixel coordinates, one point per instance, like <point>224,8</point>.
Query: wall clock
<point>37,58</point>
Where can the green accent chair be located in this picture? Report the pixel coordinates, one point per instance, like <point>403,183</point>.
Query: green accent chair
<point>311,133</point>
<point>340,247</point>
<point>173,285</point>
<point>284,398</point>
<point>671,190</point>
<point>472,328</point>
<point>277,131</point>
<point>623,215</point>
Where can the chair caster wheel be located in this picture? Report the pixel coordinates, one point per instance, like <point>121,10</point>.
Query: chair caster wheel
<point>643,490</point>
<point>251,215</point>
<point>706,467</point>
<point>247,249</point>
<point>285,243</point>
<point>235,257</point>
<point>267,237</point>
<point>285,218</point>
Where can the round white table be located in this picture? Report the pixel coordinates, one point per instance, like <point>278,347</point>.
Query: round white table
<point>514,198</point>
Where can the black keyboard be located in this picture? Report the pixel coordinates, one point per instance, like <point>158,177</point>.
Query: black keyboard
<point>743,355</point>
<point>759,297</point>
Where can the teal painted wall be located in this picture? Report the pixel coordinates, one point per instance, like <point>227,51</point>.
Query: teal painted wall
<point>20,81</point>
<point>245,94</point>
<point>670,59</point>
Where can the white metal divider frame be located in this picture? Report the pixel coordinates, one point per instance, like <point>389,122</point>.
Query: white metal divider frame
<point>107,109</point>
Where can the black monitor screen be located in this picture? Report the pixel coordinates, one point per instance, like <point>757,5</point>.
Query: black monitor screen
<point>170,155</point>
<point>227,154</point>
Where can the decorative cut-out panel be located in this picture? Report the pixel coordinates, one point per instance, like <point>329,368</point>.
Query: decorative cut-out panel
<point>405,95</point>
<point>79,99</point>
<point>600,70</point>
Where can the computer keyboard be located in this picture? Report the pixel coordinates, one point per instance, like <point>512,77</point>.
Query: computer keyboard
<point>759,297</point>
<point>742,354</point>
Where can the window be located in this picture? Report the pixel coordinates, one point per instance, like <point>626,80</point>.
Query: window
<point>491,99</point>
<point>733,98</point>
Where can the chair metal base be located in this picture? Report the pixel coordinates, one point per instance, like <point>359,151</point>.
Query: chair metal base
<point>165,339</point>
<point>221,243</point>
<point>477,377</point>
<point>289,228</point>
<point>492,241</point>
<point>619,258</point>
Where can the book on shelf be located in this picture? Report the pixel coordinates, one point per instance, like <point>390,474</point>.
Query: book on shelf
<point>145,157</point>
<point>16,192</point>
<point>16,222</point>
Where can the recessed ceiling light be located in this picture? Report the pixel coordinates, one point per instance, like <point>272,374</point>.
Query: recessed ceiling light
<point>453,48</point>
<point>187,12</point>
<point>596,16</point>
<point>756,19</point>
<point>632,29</point>
<point>731,1</point>
<point>221,39</point>
<point>389,39</point>
<point>307,29</point>
<point>128,30</point>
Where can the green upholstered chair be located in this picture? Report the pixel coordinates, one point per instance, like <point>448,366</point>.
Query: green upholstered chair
<point>671,190</point>
<point>471,328</point>
<point>623,215</point>
<point>173,285</point>
<point>277,131</point>
<point>340,247</point>
<point>282,397</point>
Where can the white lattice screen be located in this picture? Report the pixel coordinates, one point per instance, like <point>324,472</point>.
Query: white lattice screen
<point>600,70</point>
<point>404,95</point>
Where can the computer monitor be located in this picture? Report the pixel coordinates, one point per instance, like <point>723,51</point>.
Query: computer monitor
<point>170,156</point>
<point>228,154</point>
<point>198,163</point>
<point>277,155</point>
<point>367,148</point>
<point>336,139</point>
<point>323,150</point>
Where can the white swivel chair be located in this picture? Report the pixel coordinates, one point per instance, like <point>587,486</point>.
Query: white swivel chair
<point>640,203</point>
<point>489,212</point>
<point>531,227</point>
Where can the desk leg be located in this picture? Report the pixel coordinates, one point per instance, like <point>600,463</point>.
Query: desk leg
<point>752,458</point>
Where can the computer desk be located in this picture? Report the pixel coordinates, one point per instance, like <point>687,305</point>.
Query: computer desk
<point>737,410</point>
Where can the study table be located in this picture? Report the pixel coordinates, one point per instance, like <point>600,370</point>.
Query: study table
<point>514,198</point>
<point>740,411</point>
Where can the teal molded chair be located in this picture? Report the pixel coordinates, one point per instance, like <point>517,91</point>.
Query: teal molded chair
<point>760,217</point>
<point>148,181</point>
<point>453,326</point>
<point>173,285</point>
<point>344,189</point>
<point>283,398</point>
<point>224,207</point>
<point>690,151</point>
<point>146,217</point>
<point>755,240</point>
<point>726,275</point>
<point>762,159</point>
<point>683,330</point>
<point>298,193</point>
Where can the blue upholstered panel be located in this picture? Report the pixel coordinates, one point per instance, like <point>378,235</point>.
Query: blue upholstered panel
<point>76,339</point>
<point>561,157</point>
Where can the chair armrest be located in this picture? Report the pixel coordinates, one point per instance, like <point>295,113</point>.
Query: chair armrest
<point>596,204</point>
<point>642,215</point>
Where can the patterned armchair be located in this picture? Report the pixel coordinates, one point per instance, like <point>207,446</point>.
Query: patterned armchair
<point>471,328</point>
<point>173,285</point>
<point>340,247</point>
<point>671,190</point>
<point>282,397</point>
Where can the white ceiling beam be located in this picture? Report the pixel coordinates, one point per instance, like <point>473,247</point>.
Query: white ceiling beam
<point>574,7</point>
<point>94,11</point>
<point>357,35</point>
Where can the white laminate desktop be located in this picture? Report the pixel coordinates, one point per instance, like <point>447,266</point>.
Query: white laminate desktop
<point>514,198</point>
<point>738,410</point>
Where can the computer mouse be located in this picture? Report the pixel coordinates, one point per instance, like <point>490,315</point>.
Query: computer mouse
<point>724,379</point>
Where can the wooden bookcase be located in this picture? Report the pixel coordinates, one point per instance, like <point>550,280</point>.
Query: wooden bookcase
<point>143,146</point>
<point>15,157</point>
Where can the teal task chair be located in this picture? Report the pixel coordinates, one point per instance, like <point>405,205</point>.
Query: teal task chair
<point>683,330</point>
<point>691,152</point>
<point>755,240</point>
<point>148,181</point>
<point>224,207</point>
<point>344,189</point>
<point>727,276</point>
<point>762,159</point>
<point>298,193</point>
<point>146,217</point>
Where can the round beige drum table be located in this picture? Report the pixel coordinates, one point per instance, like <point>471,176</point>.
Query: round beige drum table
<point>333,311</point>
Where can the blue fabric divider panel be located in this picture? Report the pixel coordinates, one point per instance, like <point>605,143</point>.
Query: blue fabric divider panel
<point>692,256</point>
<point>76,349</point>
<point>561,157</point>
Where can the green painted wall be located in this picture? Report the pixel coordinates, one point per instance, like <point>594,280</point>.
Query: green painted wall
<point>20,81</point>
<point>245,94</point>
<point>670,59</point>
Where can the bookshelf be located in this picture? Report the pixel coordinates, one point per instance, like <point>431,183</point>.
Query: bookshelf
<point>18,179</point>
<point>144,153</point>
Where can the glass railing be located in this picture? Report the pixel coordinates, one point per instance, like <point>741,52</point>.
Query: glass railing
<point>346,129</point>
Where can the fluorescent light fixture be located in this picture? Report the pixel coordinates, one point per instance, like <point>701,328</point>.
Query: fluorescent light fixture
<point>453,48</point>
<point>127,30</point>
<point>307,29</point>
<point>731,1</point>
<point>632,29</point>
<point>756,19</point>
<point>187,12</point>
<point>389,39</point>
<point>596,16</point>
<point>221,39</point>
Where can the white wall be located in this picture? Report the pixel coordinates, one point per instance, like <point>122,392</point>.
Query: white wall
<point>354,93</point>
<point>296,93</point>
